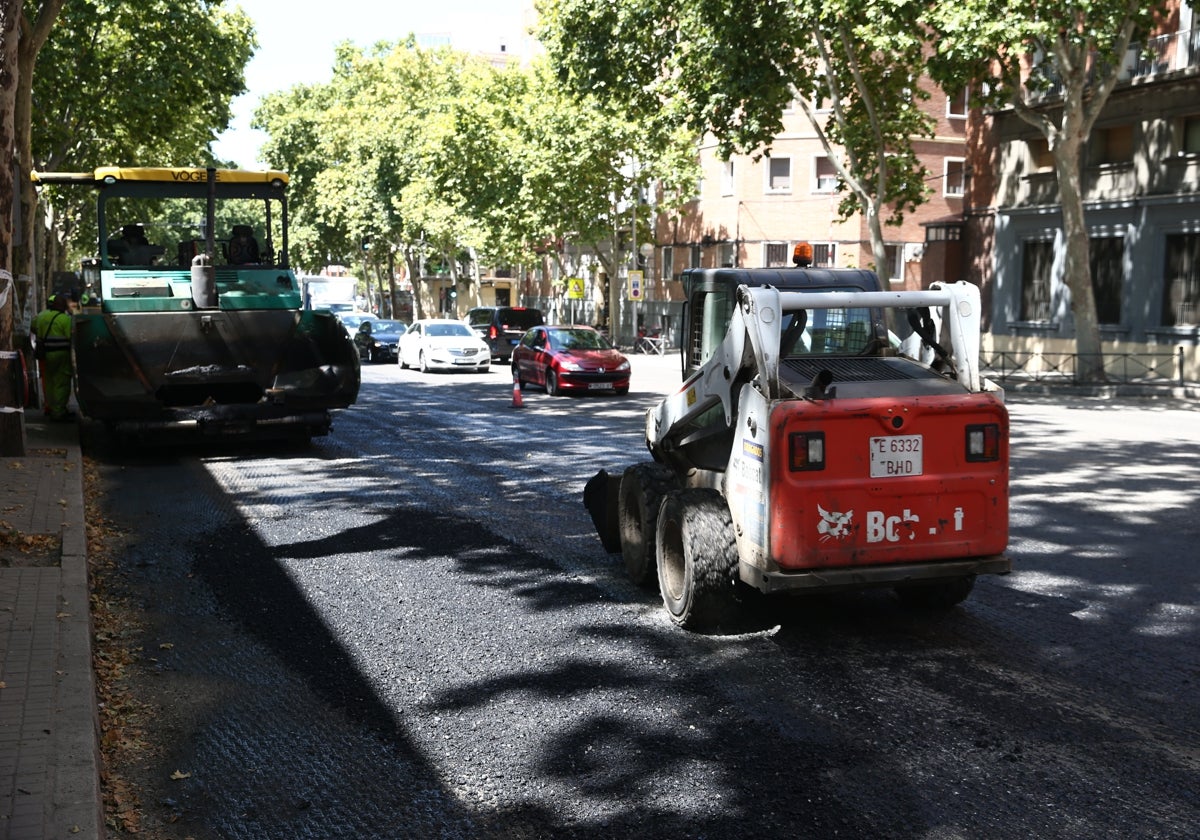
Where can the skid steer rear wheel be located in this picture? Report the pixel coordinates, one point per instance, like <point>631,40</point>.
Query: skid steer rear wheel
<point>643,487</point>
<point>697,559</point>
<point>939,595</point>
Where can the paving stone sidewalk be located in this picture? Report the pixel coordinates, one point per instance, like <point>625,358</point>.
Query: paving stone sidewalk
<point>49,765</point>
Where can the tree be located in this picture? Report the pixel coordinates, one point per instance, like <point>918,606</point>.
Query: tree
<point>20,39</point>
<point>1055,64</point>
<point>146,83</point>
<point>731,68</point>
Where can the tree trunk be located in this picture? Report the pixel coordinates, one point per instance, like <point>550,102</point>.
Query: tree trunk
<point>10,16</point>
<point>1077,274</point>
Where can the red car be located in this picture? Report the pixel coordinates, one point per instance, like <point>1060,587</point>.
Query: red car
<point>569,359</point>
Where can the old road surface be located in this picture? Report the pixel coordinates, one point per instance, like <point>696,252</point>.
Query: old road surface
<point>409,630</point>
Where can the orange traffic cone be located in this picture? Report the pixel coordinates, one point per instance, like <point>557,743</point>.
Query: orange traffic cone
<point>517,403</point>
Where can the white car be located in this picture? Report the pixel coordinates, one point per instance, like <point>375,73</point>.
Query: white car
<point>443,344</point>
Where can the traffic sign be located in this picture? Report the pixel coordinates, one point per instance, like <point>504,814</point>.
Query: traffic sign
<point>574,288</point>
<point>634,288</point>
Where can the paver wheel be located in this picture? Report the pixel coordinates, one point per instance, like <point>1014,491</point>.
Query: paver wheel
<point>643,487</point>
<point>936,595</point>
<point>697,559</point>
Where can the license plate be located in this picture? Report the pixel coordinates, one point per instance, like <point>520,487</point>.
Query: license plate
<point>600,386</point>
<point>896,456</point>
<point>464,361</point>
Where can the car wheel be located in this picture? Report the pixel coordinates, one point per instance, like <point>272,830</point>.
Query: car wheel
<point>421,362</point>
<point>371,357</point>
<point>697,559</point>
<point>400,360</point>
<point>620,392</point>
<point>552,383</point>
<point>643,487</point>
<point>516,375</point>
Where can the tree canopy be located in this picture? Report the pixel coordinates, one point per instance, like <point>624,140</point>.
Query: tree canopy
<point>444,159</point>
<point>146,84</point>
<point>731,69</point>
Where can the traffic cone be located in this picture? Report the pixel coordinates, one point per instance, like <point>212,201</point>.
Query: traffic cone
<point>517,403</point>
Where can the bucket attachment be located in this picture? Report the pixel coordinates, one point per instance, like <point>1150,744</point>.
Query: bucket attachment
<point>600,497</point>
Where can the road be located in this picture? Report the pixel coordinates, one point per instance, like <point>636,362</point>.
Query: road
<point>410,630</point>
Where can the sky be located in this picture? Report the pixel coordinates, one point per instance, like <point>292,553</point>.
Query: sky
<point>297,37</point>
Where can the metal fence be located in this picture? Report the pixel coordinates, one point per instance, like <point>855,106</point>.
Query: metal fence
<point>1165,369</point>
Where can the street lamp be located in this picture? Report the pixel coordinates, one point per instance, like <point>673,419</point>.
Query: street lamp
<point>647,251</point>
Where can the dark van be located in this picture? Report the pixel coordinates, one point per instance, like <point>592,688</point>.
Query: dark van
<point>502,327</point>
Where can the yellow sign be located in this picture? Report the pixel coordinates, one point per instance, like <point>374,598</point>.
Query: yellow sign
<point>574,288</point>
<point>635,285</point>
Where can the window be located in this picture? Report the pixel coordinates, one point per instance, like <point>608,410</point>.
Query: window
<point>957,105</point>
<point>779,174</point>
<point>776,255</point>
<point>1036,266</point>
<point>1111,145</point>
<point>954,181</point>
<point>825,177</point>
<point>727,178</point>
<point>1191,136</point>
<point>1107,260</point>
<point>894,270</point>
<point>1181,280</point>
<point>823,253</point>
<point>695,254</point>
<point>1040,155</point>
<point>943,233</point>
<point>667,262</point>
<point>725,255</point>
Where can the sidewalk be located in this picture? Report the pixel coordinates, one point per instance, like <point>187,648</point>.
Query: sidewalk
<point>49,765</point>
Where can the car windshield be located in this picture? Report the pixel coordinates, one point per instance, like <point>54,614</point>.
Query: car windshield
<point>446,330</point>
<point>394,327</point>
<point>578,340</point>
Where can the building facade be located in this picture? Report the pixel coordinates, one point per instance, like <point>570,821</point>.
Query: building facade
<point>1141,184</point>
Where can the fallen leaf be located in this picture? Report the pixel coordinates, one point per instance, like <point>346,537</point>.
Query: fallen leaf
<point>166,646</point>
<point>179,774</point>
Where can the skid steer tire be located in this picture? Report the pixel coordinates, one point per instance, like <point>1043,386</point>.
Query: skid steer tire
<point>698,560</point>
<point>643,487</point>
<point>940,595</point>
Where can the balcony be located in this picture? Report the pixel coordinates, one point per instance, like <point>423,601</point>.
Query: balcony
<point>1175,52</point>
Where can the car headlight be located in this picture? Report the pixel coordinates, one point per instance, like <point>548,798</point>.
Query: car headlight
<point>566,365</point>
<point>623,366</point>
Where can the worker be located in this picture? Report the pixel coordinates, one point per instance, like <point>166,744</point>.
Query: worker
<point>52,332</point>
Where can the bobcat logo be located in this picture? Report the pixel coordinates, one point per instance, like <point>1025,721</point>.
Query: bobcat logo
<point>834,525</point>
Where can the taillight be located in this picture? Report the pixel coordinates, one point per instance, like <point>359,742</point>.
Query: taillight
<point>806,451</point>
<point>493,333</point>
<point>983,442</point>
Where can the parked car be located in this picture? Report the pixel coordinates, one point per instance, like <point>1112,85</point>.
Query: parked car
<point>570,359</point>
<point>376,339</point>
<point>443,344</point>
<point>352,320</point>
<point>502,326</point>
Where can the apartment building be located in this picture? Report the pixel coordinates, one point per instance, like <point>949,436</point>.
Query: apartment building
<point>1142,208</point>
<point>750,212</point>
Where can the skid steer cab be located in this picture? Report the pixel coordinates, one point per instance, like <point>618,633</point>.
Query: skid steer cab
<point>828,435</point>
